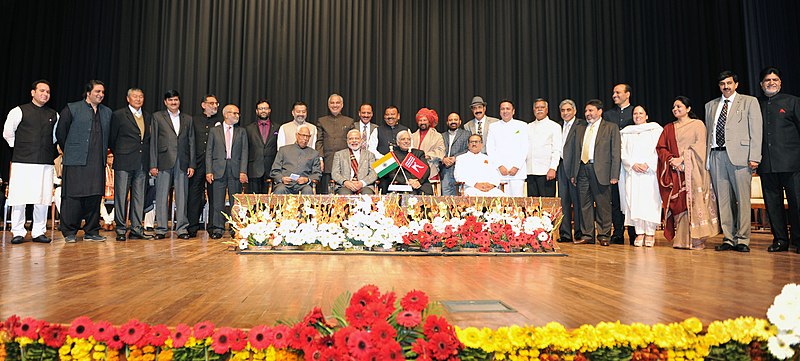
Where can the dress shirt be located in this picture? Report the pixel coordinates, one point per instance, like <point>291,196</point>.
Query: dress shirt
<point>176,121</point>
<point>716,117</point>
<point>564,132</point>
<point>263,129</point>
<point>544,146</point>
<point>596,126</point>
<point>136,112</point>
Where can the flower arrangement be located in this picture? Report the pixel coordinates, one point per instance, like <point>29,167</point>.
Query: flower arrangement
<point>785,315</point>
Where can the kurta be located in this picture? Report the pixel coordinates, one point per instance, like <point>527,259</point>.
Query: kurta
<point>287,133</point>
<point>508,146</point>
<point>433,146</point>
<point>29,183</point>
<point>474,168</point>
<point>86,180</point>
<point>292,159</point>
<point>544,146</point>
<point>639,195</point>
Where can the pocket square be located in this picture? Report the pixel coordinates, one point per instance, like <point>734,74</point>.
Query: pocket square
<point>782,111</point>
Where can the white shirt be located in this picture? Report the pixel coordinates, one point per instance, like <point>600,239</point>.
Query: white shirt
<point>135,112</point>
<point>176,121</point>
<point>591,141</point>
<point>474,168</point>
<point>716,117</point>
<point>564,132</point>
<point>544,146</point>
<point>507,146</point>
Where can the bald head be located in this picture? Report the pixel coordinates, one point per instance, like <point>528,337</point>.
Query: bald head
<point>231,114</point>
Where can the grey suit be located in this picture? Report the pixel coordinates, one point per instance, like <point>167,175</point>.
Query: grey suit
<point>459,147</point>
<point>226,171</point>
<point>728,163</point>
<point>471,126</point>
<point>172,154</point>
<point>568,192</point>
<point>341,169</point>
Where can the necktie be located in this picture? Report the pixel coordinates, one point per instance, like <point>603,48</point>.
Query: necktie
<point>480,128</point>
<point>723,115</point>
<point>263,127</point>
<point>140,124</point>
<point>354,165</point>
<point>228,141</point>
<point>587,143</point>
<point>364,133</point>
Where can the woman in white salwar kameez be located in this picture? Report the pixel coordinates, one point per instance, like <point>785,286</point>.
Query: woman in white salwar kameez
<point>639,195</point>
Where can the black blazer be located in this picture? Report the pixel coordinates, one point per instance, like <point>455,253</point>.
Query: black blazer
<point>607,151</point>
<point>131,151</point>
<point>569,144</point>
<point>166,146</point>
<point>261,155</point>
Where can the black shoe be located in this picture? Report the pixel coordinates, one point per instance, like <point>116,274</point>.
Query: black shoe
<point>562,239</point>
<point>70,239</point>
<point>121,237</point>
<point>17,240</point>
<point>159,236</point>
<point>778,247</point>
<point>724,247</point>
<point>134,235</point>
<point>742,248</point>
<point>216,235</point>
<point>193,234</point>
<point>184,236</point>
<point>618,240</point>
<point>42,239</point>
<point>94,238</point>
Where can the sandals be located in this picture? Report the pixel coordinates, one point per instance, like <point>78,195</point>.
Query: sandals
<point>649,241</point>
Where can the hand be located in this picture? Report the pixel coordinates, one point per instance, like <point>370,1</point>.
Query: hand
<point>572,180</point>
<point>503,170</point>
<point>321,164</point>
<point>353,186</point>
<point>190,172</point>
<point>484,187</point>
<point>753,165</point>
<point>243,177</point>
<point>448,161</point>
<point>640,167</point>
<point>154,172</point>
<point>302,180</point>
<point>676,162</point>
<point>551,174</point>
<point>614,180</point>
<point>286,180</point>
<point>513,171</point>
<point>414,183</point>
<point>209,178</point>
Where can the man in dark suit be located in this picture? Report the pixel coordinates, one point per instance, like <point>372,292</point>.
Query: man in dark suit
<point>621,115</point>
<point>734,128</point>
<point>172,162</point>
<point>369,130</point>
<point>780,160</point>
<point>352,167</point>
<point>595,167</point>
<point>197,185</point>
<point>226,166</point>
<point>455,144</point>
<point>332,135</point>
<point>130,143</point>
<point>480,124</point>
<point>570,207</point>
<point>262,140</point>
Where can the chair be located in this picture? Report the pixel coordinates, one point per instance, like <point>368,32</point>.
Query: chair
<point>757,205</point>
<point>332,187</point>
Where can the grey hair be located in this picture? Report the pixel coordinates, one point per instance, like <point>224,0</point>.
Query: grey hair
<point>354,131</point>
<point>568,101</point>
<point>397,137</point>
<point>131,90</point>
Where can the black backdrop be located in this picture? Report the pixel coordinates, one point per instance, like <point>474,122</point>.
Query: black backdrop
<point>410,53</point>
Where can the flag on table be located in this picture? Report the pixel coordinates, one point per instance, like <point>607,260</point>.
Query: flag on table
<point>385,164</point>
<point>414,165</point>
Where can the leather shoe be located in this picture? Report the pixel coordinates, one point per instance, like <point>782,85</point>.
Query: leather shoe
<point>742,248</point>
<point>562,239</point>
<point>42,239</point>
<point>159,236</point>
<point>193,234</point>
<point>584,241</point>
<point>134,235</point>
<point>604,243</point>
<point>17,240</point>
<point>216,235</point>
<point>184,236</point>
<point>94,238</point>
<point>121,238</point>
<point>778,247</point>
<point>724,247</point>
<point>617,240</point>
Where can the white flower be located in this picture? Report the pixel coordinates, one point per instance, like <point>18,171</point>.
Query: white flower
<point>779,349</point>
<point>785,310</point>
<point>413,201</point>
<point>243,243</point>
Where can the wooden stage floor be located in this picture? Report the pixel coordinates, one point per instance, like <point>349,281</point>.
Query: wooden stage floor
<point>172,281</point>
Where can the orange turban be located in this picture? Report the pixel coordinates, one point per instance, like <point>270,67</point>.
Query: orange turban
<point>433,118</point>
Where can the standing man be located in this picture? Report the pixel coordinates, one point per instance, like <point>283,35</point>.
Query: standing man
<point>262,140</point>
<point>287,131</point>
<point>130,143</point>
<point>570,207</point>
<point>455,144</point>
<point>352,167</point>
<point>369,130</point>
<point>226,166</point>
<point>544,151</point>
<point>297,165</point>
<point>507,149</point>
<point>428,140</point>
<point>172,162</point>
<point>197,185</point>
<point>621,115</point>
<point>29,130</point>
<point>780,159</point>
<point>734,150</point>
<point>387,140</point>
<point>595,169</point>
<point>480,124</point>
<point>332,136</point>
<point>82,133</point>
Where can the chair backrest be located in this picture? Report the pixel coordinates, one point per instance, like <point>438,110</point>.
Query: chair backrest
<point>755,188</point>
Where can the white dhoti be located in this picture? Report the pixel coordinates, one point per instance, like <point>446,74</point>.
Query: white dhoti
<point>30,184</point>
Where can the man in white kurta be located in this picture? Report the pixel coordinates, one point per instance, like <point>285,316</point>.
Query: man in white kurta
<point>474,169</point>
<point>507,148</point>
<point>29,130</point>
<point>544,152</point>
<point>639,195</point>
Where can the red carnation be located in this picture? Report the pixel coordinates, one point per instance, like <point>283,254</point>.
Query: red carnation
<point>102,331</point>
<point>382,332</point>
<point>203,330</point>
<point>221,340</point>
<point>359,344</point>
<point>435,325</point>
<point>115,340</point>
<point>81,327</point>
<point>53,335</point>
<point>157,335</point>
<point>409,319</point>
<point>391,351</point>
<point>260,337</point>
<point>131,332</point>
<point>414,301</point>
<point>280,334</point>
<point>181,335</point>
<point>29,328</point>
<point>238,340</point>
<point>365,295</point>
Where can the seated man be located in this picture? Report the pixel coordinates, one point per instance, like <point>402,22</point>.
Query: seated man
<point>476,172</point>
<point>296,166</point>
<point>352,168</point>
<point>404,175</point>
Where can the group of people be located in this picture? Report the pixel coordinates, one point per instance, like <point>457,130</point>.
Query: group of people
<point>614,169</point>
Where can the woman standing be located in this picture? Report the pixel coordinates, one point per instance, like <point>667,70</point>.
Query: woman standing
<point>639,193</point>
<point>685,184</point>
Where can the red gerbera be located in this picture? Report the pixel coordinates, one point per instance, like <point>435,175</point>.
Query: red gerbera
<point>102,331</point>
<point>391,351</point>
<point>356,315</point>
<point>131,332</point>
<point>221,340</point>
<point>81,327</point>
<point>312,353</point>
<point>414,301</point>
<point>435,325</point>
<point>260,337</point>
<point>53,335</point>
<point>442,346</point>
<point>157,335</point>
<point>420,347</point>
<point>114,340</point>
<point>376,312</point>
<point>281,336</point>
<point>181,335</point>
<point>341,338</point>
<point>315,316</point>
<point>325,341</point>
<point>28,327</point>
<point>238,340</point>
<point>203,330</point>
<point>329,354</point>
<point>382,332</point>
<point>365,295</point>
<point>359,344</point>
<point>409,319</point>
<point>388,300</point>
<point>11,324</point>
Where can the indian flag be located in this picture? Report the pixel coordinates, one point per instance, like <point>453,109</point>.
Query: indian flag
<point>386,164</point>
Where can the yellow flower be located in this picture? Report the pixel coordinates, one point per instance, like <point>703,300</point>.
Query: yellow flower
<point>23,341</point>
<point>165,355</point>
<point>470,336</point>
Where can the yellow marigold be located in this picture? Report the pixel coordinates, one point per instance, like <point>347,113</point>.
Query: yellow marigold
<point>168,342</point>
<point>487,340</point>
<point>135,354</point>
<point>470,336</point>
<point>65,358</point>
<point>260,355</point>
<point>23,341</point>
<point>693,324</point>
<point>98,355</point>
<point>149,357</point>
<point>518,336</point>
<point>148,349</point>
<point>99,347</point>
<point>243,355</point>
<point>112,355</point>
<point>165,355</point>
<point>65,349</point>
<point>501,340</point>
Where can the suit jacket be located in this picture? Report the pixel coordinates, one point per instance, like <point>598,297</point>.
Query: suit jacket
<point>216,152</point>
<point>471,126</point>
<point>460,142</point>
<point>780,150</point>
<point>432,145</point>
<point>261,155</point>
<point>607,150</point>
<point>131,151</point>
<point>743,130</point>
<point>166,146</point>
<point>567,159</point>
<point>341,168</point>
<point>332,137</point>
